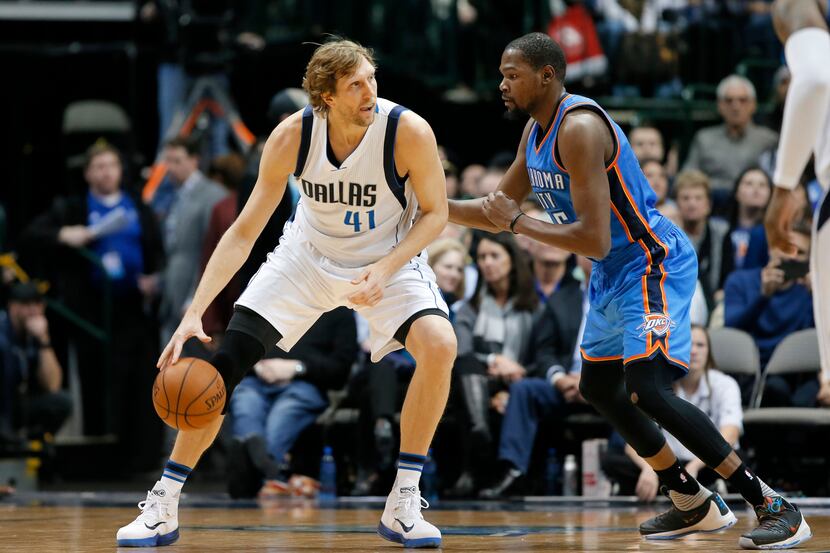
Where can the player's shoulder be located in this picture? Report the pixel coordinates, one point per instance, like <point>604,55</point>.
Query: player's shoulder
<point>582,125</point>
<point>413,128</point>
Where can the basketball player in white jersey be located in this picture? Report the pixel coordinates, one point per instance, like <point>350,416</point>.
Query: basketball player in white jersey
<point>802,27</point>
<point>365,166</point>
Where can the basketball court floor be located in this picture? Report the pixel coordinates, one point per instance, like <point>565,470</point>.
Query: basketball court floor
<point>86,522</point>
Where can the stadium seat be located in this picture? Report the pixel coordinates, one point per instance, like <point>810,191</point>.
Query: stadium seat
<point>735,353</point>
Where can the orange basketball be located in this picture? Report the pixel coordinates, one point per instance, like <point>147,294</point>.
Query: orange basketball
<point>189,394</point>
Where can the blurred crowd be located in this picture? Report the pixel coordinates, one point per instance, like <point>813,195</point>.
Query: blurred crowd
<point>127,266</point>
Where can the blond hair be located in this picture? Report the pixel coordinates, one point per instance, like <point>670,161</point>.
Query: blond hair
<point>331,61</point>
<point>442,246</point>
<point>691,178</point>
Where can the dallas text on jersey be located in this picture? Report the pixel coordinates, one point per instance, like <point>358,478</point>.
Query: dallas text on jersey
<point>346,193</point>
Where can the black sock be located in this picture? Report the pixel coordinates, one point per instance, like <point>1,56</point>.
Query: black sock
<point>749,485</point>
<point>677,479</point>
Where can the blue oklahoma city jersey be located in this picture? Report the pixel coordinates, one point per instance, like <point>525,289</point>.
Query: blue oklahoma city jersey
<point>641,291</point>
<point>630,192</point>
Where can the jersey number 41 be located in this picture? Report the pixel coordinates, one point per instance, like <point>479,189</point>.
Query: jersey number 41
<point>353,219</point>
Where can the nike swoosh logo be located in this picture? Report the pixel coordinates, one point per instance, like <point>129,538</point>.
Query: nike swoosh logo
<point>406,528</point>
<point>156,525</point>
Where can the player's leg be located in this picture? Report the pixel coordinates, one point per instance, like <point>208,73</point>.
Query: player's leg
<point>252,331</point>
<point>243,345</point>
<point>657,345</point>
<point>611,331</point>
<point>696,509</point>
<point>431,341</point>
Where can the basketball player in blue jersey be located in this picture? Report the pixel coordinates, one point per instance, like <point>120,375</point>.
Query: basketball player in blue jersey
<point>366,165</point>
<point>802,27</point>
<point>637,334</point>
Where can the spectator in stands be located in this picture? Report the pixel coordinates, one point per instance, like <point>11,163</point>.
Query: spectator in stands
<point>745,245</point>
<point>470,177</point>
<point>658,179</point>
<point>33,402</point>
<point>722,151</point>
<point>227,170</point>
<point>451,178</point>
<point>271,408</point>
<point>489,182</point>
<point>494,335</point>
<point>549,267</point>
<point>647,143</point>
<point>448,257</point>
<point>551,388</point>
<point>773,301</point>
<point>184,230</point>
<point>714,393</point>
<point>706,233</point>
<point>780,87</point>
<point>122,233</point>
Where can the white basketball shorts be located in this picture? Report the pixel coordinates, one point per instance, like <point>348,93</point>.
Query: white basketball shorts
<point>297,284</point>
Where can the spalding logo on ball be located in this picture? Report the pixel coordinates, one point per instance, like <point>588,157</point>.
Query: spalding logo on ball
<point>190,394</point>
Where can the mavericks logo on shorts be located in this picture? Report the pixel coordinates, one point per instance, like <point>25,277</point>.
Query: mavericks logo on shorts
<point>657,323</point>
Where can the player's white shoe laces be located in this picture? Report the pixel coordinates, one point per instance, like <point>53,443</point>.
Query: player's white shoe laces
<point>158,523</point>
<point>402,521</point>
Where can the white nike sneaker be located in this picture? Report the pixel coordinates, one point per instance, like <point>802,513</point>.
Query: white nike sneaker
<point>158,523</point>
<point>402,521</point>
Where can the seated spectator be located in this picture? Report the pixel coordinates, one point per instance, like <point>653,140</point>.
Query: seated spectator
<point>451,178</point>
<point>33,403</point>
<point>122,232</point>
<point>270,409</point>
<point>549,267</point>
<point>494,332</point>
<point>750,197</point>
<point>448,257</point>
<point>706,233</point>
<point>780,87</point>
<point>469,180</point>
<point>489,181</point>
<point>658,179</point>
<point>647,143</point>
<point>714,393</point>
<point>773,301</point>
<point>723,150</point>
<point>547,393</point>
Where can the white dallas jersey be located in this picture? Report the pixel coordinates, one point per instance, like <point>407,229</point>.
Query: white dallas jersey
<point>357,212</point>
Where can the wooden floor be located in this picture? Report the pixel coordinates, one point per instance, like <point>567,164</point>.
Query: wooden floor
<point>305,528</point>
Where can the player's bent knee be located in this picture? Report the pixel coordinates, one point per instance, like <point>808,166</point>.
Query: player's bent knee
<point>432,339</point>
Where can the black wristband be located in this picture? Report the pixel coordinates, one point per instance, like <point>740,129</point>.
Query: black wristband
<point>45,346</point>
<point>513,222</point>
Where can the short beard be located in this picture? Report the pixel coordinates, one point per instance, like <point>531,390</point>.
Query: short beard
<point>360,122</point>
<point>515,115</point>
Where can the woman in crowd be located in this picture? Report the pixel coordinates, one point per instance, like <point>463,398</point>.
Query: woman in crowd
<point>745,245</point>
<point>494,332</point>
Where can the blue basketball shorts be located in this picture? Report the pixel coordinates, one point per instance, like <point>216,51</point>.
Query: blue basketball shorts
<point>640,298</point>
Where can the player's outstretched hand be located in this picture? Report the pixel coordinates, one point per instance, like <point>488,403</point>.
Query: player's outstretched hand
<point>190,326</point>
<point>500,209</point>
<point>370,285</point>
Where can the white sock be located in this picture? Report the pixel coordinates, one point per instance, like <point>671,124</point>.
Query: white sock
<point>685,502</point>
